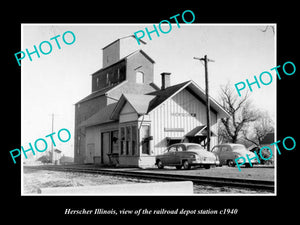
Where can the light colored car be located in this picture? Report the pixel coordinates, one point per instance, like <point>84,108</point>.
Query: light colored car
<point>227,154</point>
<point>186,155</point>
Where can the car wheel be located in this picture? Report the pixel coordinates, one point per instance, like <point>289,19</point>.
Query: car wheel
<point>230,163</point>
<point>207,166</point>
<point>178,167</point>
<point>247,165</point>
<point>186,165</point>
<point>159,165</point>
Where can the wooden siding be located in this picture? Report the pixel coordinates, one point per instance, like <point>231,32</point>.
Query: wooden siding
<point>128,114</point>
<point>182,112</point>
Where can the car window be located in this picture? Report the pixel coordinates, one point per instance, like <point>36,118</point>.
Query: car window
<point>216,150</point>
<point>179,148</point>
<point>172,149</point>
<point>239,148</point>
<point>194,147</point>
<point>225,149</point>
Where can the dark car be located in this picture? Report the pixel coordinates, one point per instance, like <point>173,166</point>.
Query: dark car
<point>186,155</point>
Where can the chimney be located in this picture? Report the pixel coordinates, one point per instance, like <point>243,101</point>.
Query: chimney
<point>165,80</point>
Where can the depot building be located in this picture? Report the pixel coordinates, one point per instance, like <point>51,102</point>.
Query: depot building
<point>127,120</point>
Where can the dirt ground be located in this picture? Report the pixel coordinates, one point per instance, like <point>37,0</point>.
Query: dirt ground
<point>255,173</point>
<point>33,179</point>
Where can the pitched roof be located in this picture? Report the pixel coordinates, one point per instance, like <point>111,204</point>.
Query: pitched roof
<point>144,104</point>
<point>100,117</point>
<point>162,95</point>
<point>101,92</point>
<point>139,102</point>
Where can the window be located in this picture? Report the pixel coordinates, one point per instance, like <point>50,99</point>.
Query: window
<point>179,148</point>
<point>145,133</point>
<point>139,77</point>
<point>122,72</point>
<point>118,74</point>
<point>216,150</point>
<point>134,137</point>
<point>114,141</point>
<point>172,149</point>
<point>225,149</point>
<point>122,140</point>
<point>128,139</point>
<point>108,79</point>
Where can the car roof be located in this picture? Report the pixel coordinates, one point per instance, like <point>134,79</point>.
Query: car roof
<point>229,144</point>
<point>184,143</point>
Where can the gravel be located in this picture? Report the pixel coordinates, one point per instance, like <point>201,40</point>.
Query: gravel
<point>33,179</point>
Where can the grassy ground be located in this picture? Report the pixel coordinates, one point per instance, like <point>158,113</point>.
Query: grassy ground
<point>34,179</point>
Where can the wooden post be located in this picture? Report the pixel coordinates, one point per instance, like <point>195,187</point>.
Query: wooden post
<point>205,59</point>
<point>207,103</point>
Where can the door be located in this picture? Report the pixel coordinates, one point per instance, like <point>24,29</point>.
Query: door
<point>105,147</point>
<point>225,154</point>
<point>90,153</point>
<point>179,154</point>
<point>169,156</point>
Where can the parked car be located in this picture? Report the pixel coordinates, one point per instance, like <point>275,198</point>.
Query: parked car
<point>227,154</point>
<point>186,155</point>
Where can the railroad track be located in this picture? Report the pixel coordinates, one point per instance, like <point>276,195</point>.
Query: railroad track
<point>215,181</point>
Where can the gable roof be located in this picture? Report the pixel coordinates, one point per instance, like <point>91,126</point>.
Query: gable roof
<point>163,95</point>
<point>144,104</point>
<point>139,102</point>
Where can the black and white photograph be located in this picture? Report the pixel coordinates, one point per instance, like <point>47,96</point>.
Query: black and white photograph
<point>160,116</point>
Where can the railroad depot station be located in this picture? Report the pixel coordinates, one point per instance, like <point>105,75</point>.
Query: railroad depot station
<point>130,119</point>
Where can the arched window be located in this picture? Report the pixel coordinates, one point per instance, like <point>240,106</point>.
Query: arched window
<point>139,77</point>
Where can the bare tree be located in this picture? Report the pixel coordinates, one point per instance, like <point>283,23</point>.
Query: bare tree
<point>259,129</point>
<point>241,114</point>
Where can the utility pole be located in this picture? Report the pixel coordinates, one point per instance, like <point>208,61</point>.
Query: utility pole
<point>205,59</point>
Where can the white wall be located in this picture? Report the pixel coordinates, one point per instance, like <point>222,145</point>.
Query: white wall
<point>175,113</point>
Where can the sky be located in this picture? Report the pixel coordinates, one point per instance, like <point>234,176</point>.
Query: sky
<point>53,83</point>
